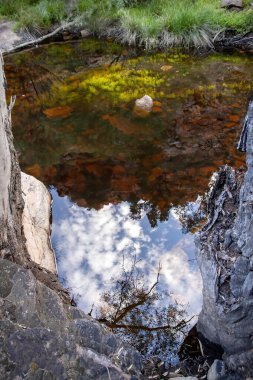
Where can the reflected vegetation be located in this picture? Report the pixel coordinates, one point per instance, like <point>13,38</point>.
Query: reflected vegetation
<point>127,185</point>
<point>125,182</point>
<point>76,129</point>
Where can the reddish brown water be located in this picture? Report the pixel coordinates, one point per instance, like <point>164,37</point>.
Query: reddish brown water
<point>76,130</point>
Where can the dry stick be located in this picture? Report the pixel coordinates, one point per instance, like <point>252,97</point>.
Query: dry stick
<point>40,39</point>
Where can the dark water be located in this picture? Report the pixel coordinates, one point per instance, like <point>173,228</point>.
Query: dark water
<point>125,184</point>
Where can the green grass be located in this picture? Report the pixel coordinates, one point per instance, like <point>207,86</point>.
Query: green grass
<point>40,13</point>
<point>149,23</point>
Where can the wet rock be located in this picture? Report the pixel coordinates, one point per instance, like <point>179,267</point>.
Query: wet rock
<point>36,222</point>
<point>231,4</point>
<point>43,338</point>
<point>216,370</point>
<point>145,103</point>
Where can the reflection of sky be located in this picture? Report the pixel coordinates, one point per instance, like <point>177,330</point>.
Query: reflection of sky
<point>90,245</point>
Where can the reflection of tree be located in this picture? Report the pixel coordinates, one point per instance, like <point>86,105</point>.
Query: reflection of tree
<point>191,215</point>
<point>153,212</point>
<point>33,79</point>
<point>137,313</point>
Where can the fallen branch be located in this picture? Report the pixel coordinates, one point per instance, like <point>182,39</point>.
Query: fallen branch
<point>37,41</point>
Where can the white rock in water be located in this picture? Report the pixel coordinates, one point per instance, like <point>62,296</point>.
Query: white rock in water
<point>145,103</point>
<point>36,222</point>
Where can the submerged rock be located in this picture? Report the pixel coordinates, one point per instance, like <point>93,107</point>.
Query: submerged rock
<point>36,222</point>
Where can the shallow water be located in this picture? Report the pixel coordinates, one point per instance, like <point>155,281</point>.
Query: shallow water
<point>125,183</point>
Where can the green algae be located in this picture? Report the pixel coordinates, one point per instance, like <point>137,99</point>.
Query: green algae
<point>117,84</point>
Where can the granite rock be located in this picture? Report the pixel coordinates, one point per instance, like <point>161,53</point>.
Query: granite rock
<point>226,317</point>
<point>36,222</point>
<point>42,338</point>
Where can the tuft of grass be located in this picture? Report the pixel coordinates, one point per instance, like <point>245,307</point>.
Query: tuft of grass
<point>149,23</point>
<point>36,13</point>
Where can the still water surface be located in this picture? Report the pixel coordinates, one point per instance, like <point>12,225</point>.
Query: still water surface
<point>124,183</point>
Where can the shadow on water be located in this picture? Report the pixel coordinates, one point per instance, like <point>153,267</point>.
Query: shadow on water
<point>126,184</point>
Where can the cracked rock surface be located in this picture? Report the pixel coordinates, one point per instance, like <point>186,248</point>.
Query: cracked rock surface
<point>42,338</point>
<point>225,256</point>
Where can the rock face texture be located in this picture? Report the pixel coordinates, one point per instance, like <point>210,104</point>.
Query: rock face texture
<point>36,222</point>
<point>225,256</point>
<point>41,338</point>
<point>11,202</point>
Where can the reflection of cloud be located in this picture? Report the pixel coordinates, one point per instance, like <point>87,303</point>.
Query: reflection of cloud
<point>90,247</point>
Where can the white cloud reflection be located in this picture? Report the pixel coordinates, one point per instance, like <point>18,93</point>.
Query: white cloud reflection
<point>90,245</point>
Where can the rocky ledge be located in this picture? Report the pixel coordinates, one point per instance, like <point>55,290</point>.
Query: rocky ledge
<point>42,338</point>
<point>225,256</point>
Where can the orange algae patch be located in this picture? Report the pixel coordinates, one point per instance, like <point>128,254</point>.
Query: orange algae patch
<point>234,118</point>
<point>122,124</point>
<point>58,112</point>
<point>34,170</point>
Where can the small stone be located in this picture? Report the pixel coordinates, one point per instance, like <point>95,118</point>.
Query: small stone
<point>231,3</point>
<point>145,103</point>
<point>216,370</point>
<point>166,68</point>
<point>85,33</point>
